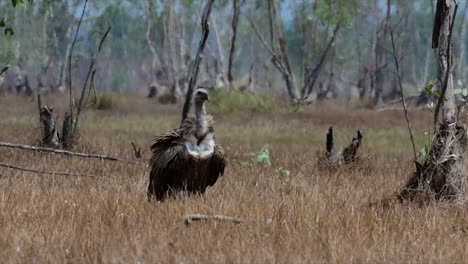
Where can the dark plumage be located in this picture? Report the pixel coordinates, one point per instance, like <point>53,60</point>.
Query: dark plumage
<point>186,159</point>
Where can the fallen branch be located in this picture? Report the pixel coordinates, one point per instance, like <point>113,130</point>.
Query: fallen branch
<point>5,165</point>
<point>59,151</point>
<point>188,219</point>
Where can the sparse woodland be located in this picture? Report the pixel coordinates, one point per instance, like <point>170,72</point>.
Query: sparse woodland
<point>213,131</point>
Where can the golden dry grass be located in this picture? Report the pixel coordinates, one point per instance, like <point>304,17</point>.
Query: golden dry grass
<point>315,215</point>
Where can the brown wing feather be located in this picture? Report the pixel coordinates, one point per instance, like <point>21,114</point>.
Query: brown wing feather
<point>173,169</point>
<point>217,164</point>
<point>167,164</point>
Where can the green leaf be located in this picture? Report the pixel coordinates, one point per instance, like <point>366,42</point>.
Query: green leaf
<point>428,88</point>
<point>263,156</point>
<point>423,152</point>
<point>465,92</point>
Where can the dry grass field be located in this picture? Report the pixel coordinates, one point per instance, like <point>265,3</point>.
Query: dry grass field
<point>313,215</point>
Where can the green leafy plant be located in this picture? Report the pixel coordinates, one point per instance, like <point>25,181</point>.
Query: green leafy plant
<point>423,152</point>
<point>262,156</point>
<point>282,172</point>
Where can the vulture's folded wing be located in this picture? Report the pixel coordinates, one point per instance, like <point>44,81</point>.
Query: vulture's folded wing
<point>168,164</point>
<point>217,163</point>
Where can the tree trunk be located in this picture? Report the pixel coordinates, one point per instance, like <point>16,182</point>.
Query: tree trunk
<point>232,50</point>
<point>49,130</point>
<point>380,57</point>
<point>150,20</point>
<point>462,45</point>
<point>443,174</point>
<point>173,65</point>
<point>222,66</point>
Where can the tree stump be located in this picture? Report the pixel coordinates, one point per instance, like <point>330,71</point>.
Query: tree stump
<point>347,155</point>
<point>49,131</point>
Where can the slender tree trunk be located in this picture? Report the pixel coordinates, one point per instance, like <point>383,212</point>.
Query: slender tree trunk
<point>235,20</point>
<point>150,21</point>
<point>219,45</point>
<point>273,24</point>
<point>172,52</point>
<point>462,45</point>
<point>381,57</point>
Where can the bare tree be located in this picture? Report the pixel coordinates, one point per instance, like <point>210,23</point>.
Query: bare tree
<point>280,58</point>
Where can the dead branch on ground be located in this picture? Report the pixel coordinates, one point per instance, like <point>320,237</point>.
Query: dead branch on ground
<point>15,167</point>
<point>59,151</point>
<point>188,219</point>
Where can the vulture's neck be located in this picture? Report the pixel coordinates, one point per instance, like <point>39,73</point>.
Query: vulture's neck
<point>201,122</point>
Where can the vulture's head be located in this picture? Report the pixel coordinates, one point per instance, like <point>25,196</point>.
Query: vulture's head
<point>200,96</point>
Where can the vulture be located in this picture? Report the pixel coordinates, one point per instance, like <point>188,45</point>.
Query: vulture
<point>186,159</point>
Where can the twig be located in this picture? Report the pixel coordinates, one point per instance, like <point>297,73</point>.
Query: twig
<point>261,38</point>
<point>4,69</point>
<point>136,150</point>
<point>5,165</point>
<point>198,58</point>
<point>70,59</point>
<point>59,151</point>
<point>92,72</point>
<point>441,99</point>
<point>39,105</point>
<point>403,100</point>
<point>188,219</point>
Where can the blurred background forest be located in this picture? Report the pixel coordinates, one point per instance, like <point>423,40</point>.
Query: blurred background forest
<point>152,43</point>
